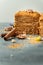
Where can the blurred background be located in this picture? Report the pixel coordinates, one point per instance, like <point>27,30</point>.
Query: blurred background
<point>9,7</point>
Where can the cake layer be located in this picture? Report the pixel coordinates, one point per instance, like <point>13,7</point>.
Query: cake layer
<point>26,24</point>
<point>26,19</point>
<point>29,28</point>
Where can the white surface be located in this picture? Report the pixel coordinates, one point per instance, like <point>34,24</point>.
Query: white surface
<point>9,7</point>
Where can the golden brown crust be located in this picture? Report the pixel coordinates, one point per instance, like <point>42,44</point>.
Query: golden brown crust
<point>27,13</point>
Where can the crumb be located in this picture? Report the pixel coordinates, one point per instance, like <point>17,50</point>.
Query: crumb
<point>35,40</point>
<point>13,41</point>
<point>17,45</point>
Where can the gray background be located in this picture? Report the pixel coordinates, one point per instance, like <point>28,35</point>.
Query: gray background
<point>9,7</point>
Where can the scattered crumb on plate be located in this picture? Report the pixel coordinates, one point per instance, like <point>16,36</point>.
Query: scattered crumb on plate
<point>34,40</point>
<point>13,41</point>
<point>16,45</point>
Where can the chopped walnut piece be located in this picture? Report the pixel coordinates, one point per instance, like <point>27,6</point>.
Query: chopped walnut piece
<point>21,36</point>
<point>8,28</point>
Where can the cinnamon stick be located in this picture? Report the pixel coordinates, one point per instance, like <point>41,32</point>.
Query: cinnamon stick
<point>10,34</point>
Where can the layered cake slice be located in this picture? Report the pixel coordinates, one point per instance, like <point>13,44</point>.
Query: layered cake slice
<point>27,21</point>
